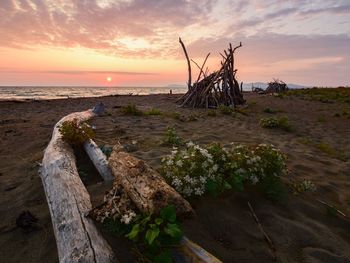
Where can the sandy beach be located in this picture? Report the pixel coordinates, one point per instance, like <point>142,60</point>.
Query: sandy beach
<point>318,150</point>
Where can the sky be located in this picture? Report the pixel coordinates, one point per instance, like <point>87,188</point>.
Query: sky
<point>135,42</point>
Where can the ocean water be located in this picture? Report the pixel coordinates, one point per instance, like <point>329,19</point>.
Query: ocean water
<point>44,93</point>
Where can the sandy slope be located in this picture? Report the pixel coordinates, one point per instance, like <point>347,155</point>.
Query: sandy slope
<point>300,227</point>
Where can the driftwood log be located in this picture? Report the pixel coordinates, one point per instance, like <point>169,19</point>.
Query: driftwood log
<point>118,202</point>
<point>77,238</point>
<point>146,188</point>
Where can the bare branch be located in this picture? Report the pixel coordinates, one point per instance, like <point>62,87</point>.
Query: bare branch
<point>188,63</point>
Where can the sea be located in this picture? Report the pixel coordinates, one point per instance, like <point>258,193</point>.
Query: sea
<point>56,92</point>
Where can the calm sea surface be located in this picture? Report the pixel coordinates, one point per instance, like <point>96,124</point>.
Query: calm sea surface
<point>40,93</point>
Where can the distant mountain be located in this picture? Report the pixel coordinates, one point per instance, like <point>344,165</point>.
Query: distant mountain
<point>263,85</point>
<point>246,86</point>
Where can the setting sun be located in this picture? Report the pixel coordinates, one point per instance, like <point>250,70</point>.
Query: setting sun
<point>109,79</point>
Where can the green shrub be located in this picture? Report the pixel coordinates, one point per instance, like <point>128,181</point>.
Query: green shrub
<point>156,235</point>
<point>174,114</point>
<point>269,110</point>
<point>325,95</point>
<point>273,122</point>
<point>321,119</point>
<point>131,109</point>
<point>76,133</point>
<point>171,137</point>
<point>302,186</point>
<point>196,170</point>
<point>153,111</point>
<point>211,113</point>
<point>192,117</point>
<point>227,110</point>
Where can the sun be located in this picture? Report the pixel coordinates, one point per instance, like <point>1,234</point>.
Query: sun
<point>109,79</point>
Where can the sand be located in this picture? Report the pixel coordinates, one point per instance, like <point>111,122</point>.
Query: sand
<point>318,150</point>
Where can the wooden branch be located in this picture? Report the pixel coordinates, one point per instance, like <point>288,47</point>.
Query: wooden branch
<point>266,236</point>
<point>332,207</point>
<point>146,188</point>
<point>188,64</point>
<point>201,68</point>
<point>77,238</point>
<point>98,159</point>
<point>191,252</point>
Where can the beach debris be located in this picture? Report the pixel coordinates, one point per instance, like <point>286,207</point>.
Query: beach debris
<point>266,236</point>
<point>276,86</point>
<point>99,159</point>
<point>116,204</point>
<point>77,237</point>
<point>27,221</point>
<point>218,88</point>
<point>146,187</point>
<point>333,208</point>
<point>131,147</point>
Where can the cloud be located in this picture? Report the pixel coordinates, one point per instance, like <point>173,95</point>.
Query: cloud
<point>86,23</point>
<point>274,55</point>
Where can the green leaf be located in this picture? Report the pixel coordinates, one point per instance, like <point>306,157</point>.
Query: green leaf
<point>145,220</point>
<point>134,232</point>
<point>168,213</point>
<point>164,257</point>
<point>173,230</point>
<point>151,235</point>
<point>227,186</point>
<point>212,187</point>
<point>237,183</point>
<point>158,221</point>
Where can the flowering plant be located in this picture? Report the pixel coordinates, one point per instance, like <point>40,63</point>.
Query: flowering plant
<point>76,133</point>
<point>190,169</point>
<point>195,170</point>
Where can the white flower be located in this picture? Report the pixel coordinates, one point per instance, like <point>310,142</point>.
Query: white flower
<point>193,166</point>
<point>176,182</point>
<point>187,191</point>
<point>190,144</point>
<point>127,218</point>
<point>169,162</point>
<point>198,191</point>
<point>187,178</point>
<point>254,179</point>
<point>179,163</point>
<point>215,168</point>
<point>202,179</point>
<point>240,171</point>
<point>205,165</point>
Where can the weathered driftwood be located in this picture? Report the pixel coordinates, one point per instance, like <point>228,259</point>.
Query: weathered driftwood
<point>98,159</point>
<point>190,252</point>
<point>117,203</point>
<point>76,235</point>
<point>146,188</point>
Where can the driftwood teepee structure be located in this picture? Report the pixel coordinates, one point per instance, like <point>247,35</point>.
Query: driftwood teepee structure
<point>218,88</point>
<point>276,86</point>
